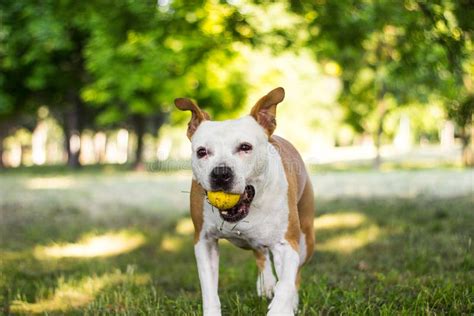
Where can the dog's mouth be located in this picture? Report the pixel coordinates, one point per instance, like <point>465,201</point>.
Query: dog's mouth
<point>241,209</point>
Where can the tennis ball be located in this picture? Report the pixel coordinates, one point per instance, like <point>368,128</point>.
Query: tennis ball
<point>222,200</point>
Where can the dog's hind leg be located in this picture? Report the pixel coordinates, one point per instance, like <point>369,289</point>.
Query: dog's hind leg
<point>266,280</point>
<point>306,212</point>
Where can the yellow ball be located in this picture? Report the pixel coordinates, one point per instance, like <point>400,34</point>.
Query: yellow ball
<point>222,200</point>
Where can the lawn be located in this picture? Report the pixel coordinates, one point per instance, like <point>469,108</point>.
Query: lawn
<point>121,243</point>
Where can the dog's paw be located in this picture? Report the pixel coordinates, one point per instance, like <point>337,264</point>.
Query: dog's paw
<point>285,301</point>
<point>277,309</point>
<point>212,312</point>
<point>266,285</point>
<point>281,312</point>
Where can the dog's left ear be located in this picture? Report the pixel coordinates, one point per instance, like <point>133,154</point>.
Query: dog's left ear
<point>197,117</point>
<point>264,111</point>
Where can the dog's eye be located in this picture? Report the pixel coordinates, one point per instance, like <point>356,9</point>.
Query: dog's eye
<point>245,147</point>
<point>201,152</point>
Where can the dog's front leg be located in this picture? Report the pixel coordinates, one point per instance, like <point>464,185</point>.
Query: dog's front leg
<point>207,257</point>
<point>286,260</point>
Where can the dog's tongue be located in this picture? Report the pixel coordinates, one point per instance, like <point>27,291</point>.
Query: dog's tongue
<point>241,209</point>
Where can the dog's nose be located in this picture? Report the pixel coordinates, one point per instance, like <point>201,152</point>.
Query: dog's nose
<point>221,177</point>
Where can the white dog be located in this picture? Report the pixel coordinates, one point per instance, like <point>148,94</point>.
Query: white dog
<point>276,208</point>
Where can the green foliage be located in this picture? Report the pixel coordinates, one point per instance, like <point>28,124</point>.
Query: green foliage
<point>141,63</point>
<point>392,52</point>
<point>100,65</point>
<point>124,58</point>
<point>462,111</point>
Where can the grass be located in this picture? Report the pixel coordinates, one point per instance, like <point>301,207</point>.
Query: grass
<point>82,247</point>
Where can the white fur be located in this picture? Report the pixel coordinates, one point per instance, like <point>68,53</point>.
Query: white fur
<point>267,220</point>
<point>207,258</point>
<point>222,139</point>
<point>285,301</point>
<point>303,250</point>
<point>263,228</point>
<point>266,280</point>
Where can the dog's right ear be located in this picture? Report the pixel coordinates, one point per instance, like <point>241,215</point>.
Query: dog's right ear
<point>197,117</point>
<point>264,111</point>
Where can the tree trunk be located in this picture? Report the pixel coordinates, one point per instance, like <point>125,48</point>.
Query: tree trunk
<point>5,130</point>
<point>139,127</point>
<point>72,128</point>
<point>378,139</point>
<point>103,154</point>
<point>2,164</point>
<point>382,112</point>
<point>467,135</point>
<point>72,143</point>
<point>22,154</point>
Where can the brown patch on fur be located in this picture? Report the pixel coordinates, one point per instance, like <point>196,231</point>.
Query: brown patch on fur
<point>197,117</point>
<point>300,196</point>
<point>293,231</point>
<point>306,215</point>
<point>260,259</point>
<point>197,208</point>
<point>298,278</point>
<point>264,111</point>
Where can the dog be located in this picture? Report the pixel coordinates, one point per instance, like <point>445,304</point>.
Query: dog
<point>274,216</point>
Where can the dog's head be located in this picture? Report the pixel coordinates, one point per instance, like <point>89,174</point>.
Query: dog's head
<point>227,155</point>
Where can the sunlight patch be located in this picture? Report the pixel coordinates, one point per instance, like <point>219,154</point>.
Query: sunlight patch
<point>340,220</point>
<point>185,226</point>
<point>348,243</point>
<point>73,294</point>
<point>106,245</point>
<point>171,243</point>
<point>49,183</point>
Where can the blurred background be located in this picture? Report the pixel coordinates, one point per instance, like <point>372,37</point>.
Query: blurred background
<point>366,81</point>
<point>95,163</point>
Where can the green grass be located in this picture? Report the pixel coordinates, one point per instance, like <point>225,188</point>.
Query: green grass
<point>374,256</point>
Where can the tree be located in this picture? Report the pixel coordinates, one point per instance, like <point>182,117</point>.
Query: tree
<point>390,54</point>
<point>17,98</point>
<point>453,29</point>
<point>99,65</point>
<point>42,50</point>
<point>141,58</point>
